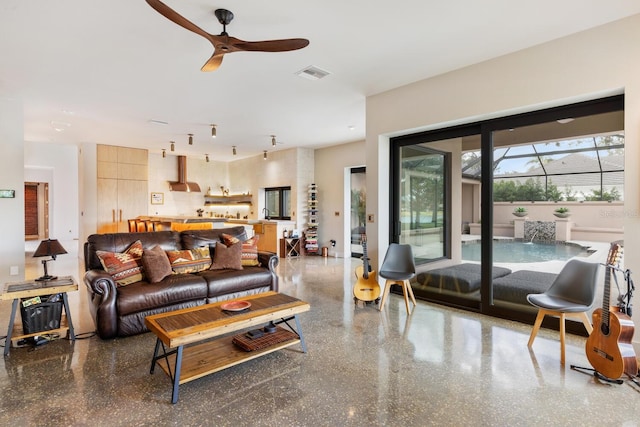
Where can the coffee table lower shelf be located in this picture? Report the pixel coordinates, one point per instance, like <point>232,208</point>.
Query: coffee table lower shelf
<point>200,360</point>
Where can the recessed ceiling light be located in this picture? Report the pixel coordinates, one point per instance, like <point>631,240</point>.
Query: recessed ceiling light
<point>351,127</point>
<point>565,121</point>
<point>60,126</point>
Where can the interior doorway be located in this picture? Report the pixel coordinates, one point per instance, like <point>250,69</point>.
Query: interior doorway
<point>36,210</point>
<point>357,225</point>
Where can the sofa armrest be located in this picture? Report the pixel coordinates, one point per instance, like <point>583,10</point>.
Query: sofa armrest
<point>102,302</point>
<point>270,260</point>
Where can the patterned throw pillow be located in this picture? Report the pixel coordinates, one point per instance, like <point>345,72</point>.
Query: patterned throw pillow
<point>190,260</point>
<point>227,257</point>
<point>249,255</point>
<point>126,267</point>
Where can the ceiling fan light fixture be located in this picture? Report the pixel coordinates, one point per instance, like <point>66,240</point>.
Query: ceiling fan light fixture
<point>190,139</point>
<point>234,150</point>
<point>214,131</point>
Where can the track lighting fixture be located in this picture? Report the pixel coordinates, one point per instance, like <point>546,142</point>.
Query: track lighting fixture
<point>173,146</point>
<point>206,157</point>
<point>234,150</point>
<point>264,154</point>
<point>164,153</point>
<point>214,132</point>
<point>190,139</point>
<point>273,140</point>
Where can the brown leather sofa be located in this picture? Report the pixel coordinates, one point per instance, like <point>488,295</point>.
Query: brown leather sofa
<point>120,311</point>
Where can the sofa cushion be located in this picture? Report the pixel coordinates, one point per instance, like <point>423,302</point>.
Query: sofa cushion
<point>125,267</point>
<point>156,264</point>
<point>174,289</point>
<point>223,282</point>
<point>227,257</point>
<point>189,260</point>
<point>516,286</point>
<point>461,278</point>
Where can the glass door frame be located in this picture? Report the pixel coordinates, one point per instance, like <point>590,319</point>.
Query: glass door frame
<point>485,129</point>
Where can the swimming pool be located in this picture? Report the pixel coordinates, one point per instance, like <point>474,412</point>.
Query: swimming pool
<point>510,251</point>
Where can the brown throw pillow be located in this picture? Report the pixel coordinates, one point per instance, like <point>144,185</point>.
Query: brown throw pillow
<point>156,264</point>
<point>227,257</point>
<point>249,248</point>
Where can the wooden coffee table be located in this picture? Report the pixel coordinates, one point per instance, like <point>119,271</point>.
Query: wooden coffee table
<point>194,342</point>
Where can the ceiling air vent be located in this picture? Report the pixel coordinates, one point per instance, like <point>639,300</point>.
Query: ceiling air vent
<point>313,73</point>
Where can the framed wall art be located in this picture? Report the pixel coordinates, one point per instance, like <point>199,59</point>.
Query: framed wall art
<point>157,198</point>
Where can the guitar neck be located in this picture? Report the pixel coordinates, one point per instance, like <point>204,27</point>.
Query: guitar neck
<point>605,298</point>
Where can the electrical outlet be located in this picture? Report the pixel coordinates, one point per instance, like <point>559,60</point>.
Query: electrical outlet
<point>14,270</point>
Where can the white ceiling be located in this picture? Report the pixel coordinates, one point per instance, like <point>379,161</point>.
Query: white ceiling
<point>108,67</point>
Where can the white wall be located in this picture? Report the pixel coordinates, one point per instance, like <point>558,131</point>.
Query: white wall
<point>591,64</point>
<point>11,178</point>
<point>56,164</point>
<point>330,164</point>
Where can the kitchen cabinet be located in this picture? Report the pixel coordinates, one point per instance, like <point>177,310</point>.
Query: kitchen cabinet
<point>122,186</point>
<point>268,240</point>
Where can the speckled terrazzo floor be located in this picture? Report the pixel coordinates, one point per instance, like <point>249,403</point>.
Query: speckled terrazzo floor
<point>436,367</point>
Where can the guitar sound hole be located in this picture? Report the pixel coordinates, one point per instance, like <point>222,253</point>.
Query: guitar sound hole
<point>604,329</point>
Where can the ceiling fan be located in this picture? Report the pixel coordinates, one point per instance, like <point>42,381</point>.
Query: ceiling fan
<point>224,43</point>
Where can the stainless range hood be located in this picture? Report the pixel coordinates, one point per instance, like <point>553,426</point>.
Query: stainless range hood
<point>182,184</point>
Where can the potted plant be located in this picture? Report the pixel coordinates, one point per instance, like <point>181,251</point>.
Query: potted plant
<point>562,212</point>
<point>520,212</point>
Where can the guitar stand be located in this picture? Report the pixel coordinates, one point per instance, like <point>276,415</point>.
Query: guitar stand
<point>597,374</point>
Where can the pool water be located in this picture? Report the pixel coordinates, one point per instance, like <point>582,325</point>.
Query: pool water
<point>510,251</point>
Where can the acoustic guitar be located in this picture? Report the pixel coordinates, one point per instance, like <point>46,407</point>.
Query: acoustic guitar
<point>366,287</point>
<point>609,347</point>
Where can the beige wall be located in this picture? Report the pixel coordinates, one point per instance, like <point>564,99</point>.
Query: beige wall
<point>595,63</point>
<point>333,165</point>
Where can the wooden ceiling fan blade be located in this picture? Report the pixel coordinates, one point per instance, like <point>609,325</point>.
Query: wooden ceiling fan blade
<point>174,16</point>
<point>213,63</point>
<point>271,45</point>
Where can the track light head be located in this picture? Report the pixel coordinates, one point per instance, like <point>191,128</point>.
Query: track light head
<point>264,154</point>
<point>164,153</point>
<point>173,146</point>
<point>214,132</point>
<point>273,140</point>
<point>190,139</point>
<point>206,157</point>
<point>234,150</point>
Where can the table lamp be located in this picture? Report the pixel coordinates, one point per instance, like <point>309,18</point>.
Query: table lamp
<point>52,248</point>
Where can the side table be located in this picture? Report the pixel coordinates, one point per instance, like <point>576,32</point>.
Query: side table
<point>289,247</point>
<point>31,288</point>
